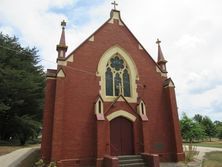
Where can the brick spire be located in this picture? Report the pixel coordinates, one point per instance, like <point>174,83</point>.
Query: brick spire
<point>61,47</point>
<point>161,60</point>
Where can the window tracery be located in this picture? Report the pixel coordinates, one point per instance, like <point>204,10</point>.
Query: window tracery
<point>117,77</point>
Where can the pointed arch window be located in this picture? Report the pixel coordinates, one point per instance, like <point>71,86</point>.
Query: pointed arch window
<point>109,82</point>
<point>117,77</point>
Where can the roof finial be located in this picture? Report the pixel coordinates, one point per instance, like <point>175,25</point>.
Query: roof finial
<point>158,41</point>
<point>114,5</point>
<point>161,60</point>
<point>63,24</point>
<point>61,47</point>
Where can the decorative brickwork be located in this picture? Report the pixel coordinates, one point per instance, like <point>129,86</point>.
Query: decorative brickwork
<point>77,116</point>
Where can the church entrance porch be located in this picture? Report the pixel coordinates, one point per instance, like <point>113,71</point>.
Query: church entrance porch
<point>121,137</point>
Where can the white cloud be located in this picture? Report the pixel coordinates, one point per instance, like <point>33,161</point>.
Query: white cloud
<point>7,30</point>
<point>205,103</point>
<point>35,23</point>
<point>191,33</point>
<point>188,42</point>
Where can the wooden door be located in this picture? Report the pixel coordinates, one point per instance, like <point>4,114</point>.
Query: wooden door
<point>121,136</point>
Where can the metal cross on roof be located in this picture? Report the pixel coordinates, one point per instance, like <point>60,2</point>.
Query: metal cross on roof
<point>158,41</point>
<point>63,24</point>
<point>114,4</point>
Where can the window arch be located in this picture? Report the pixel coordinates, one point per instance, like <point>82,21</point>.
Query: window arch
<point>128,76</point>
<point>117,77</point>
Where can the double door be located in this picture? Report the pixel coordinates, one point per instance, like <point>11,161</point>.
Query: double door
<point>121,136</point>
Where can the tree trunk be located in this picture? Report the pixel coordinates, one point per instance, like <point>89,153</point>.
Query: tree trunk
<point>190,145</point>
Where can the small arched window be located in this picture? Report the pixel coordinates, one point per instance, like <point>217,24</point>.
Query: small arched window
<point>100,111</point>
<point>117,77</point>
<point>142,108</point>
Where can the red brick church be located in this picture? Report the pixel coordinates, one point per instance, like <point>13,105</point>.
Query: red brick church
<point>109,103</point>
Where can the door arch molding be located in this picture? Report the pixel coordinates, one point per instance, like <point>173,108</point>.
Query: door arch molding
<point>122,113</point>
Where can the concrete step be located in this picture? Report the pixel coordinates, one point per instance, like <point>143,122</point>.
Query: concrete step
<point>127,161</point>
<point>134,165</point>
<point>131,161</point>
<point>124,157</point>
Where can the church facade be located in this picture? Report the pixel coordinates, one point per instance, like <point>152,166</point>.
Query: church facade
<point>109,98</point>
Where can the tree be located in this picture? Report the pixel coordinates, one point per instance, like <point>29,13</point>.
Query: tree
<point>190,129</point>
<point>21,89</point>
<point>209,127</point>
<point>198,118</point>
<point>207,124</point>
<point>218,126</point>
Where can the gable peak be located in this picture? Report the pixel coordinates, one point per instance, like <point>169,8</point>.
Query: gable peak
<point>115,14</point>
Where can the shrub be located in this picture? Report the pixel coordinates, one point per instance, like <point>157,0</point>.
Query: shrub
<point>190,153</point>
<point>41,163</point>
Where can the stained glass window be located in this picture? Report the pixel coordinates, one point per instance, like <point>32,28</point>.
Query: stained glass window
<point>117,63</point>
<point>117,84</point>
<point>126,83</point>
<point>117,77</point>
<point>109,82</point>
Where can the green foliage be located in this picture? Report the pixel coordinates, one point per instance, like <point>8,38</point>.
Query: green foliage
<point>41,163</point>
<point>21,90</point>
<point>52,164</point>
<point>218,126</point>
<point>25,128</point>
<point>200,127</point>
<point>207,125</point>
<point>198,118</point>
<point>190,129</point>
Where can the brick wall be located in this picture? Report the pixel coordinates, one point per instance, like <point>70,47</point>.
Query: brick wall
<point>75,131</point>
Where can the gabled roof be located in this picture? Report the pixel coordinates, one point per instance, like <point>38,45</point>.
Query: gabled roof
<point>51,73</point>
<point>113,16</point>
<point>140,100</point>
<point>168,83</point>
<point>99,97</point>
<point>117,98</point>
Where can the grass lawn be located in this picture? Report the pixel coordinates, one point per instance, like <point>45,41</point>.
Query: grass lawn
<point>212,159</point>
<point>216,144</point>
<point>206,144</point>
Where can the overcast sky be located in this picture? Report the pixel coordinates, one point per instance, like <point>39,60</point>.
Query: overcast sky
<point>190,31</point>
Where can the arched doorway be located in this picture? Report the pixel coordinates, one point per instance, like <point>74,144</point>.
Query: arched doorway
<point>121,136</point>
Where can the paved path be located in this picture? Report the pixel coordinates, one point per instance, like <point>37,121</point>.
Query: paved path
<point>14,158</point>
<point>198,160</point>
<point>203,150</point>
